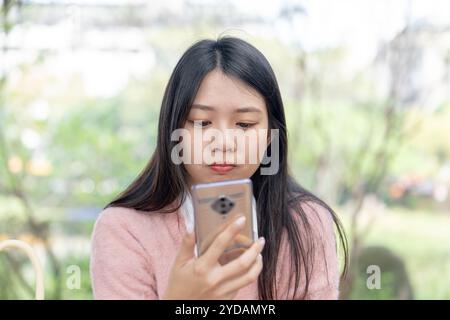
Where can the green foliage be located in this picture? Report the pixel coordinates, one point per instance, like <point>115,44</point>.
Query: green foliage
<point>421,239</point>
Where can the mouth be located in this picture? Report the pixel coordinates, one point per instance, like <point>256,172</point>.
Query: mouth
<point>222,167</point>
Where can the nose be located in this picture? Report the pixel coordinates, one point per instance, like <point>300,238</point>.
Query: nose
<point>225,142</point>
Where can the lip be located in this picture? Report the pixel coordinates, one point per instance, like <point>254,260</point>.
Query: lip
<point>222,167</point>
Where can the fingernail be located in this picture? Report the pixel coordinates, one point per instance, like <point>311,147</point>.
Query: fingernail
<point>240,221</point>
<point>261,241</point>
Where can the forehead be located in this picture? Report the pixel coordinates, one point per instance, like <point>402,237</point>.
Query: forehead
<point>226,92</point>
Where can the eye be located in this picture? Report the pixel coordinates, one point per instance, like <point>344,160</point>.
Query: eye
<point>245,125</point>
<point>200,123</point>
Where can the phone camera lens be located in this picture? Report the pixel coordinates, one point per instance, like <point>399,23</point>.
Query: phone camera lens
<point>222,205</point>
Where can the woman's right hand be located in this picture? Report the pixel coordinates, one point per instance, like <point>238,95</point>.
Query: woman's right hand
<point>204,277</point>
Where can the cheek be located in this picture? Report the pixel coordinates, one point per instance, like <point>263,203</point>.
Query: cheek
<point>248,170</point>
<point>256,150</point>
<point>191,145</point>
<point>256,143</point>
<point>193,171</point>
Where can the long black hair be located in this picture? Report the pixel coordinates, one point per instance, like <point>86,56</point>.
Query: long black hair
<point>162,182</point>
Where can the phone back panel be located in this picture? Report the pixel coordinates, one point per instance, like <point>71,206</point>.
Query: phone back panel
<point>215,206</point>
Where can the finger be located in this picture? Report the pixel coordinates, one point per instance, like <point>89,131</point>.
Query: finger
<point>244,280</point>
<point>220,243</point>
<point>230,295</point>
<point>244,262</point>
<point>186,251</point>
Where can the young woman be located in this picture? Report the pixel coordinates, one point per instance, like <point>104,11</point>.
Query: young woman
<point>140,250</point>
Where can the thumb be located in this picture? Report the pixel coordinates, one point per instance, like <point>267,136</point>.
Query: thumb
<point>186,251</point>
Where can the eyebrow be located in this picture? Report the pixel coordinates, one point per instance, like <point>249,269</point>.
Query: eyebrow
<point>239,110</point>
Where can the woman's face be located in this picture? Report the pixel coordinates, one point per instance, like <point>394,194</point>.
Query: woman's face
<point>228,129</point>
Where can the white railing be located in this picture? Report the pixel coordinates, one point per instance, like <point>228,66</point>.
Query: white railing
<point>38,271</point>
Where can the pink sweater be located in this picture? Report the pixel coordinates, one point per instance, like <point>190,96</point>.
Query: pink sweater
<point>132,255</point>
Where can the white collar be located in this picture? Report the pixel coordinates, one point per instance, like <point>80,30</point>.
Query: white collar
<point>187,208</point>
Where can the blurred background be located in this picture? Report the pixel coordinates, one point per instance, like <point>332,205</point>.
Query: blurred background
<point>366,92</point>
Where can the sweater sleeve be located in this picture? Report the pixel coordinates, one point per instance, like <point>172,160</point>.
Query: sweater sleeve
<point>324,279</point>
<point>119,266</point>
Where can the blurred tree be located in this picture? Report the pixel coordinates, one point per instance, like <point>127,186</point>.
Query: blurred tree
<point>13,183</point>
<point>345,145</point>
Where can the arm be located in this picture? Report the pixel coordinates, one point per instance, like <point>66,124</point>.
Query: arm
<point>119,266</point>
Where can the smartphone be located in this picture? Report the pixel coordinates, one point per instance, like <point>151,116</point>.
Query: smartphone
<point>216,205</point>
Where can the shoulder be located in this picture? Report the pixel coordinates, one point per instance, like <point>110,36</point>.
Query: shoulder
<point>312,221</point>
<point>314,225</point>
<point>314,216</point>
<point>117,216</point>
<point>120,221</point>
<point>127,217</point>
<point>121,264</point>
<point>126,231</point>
